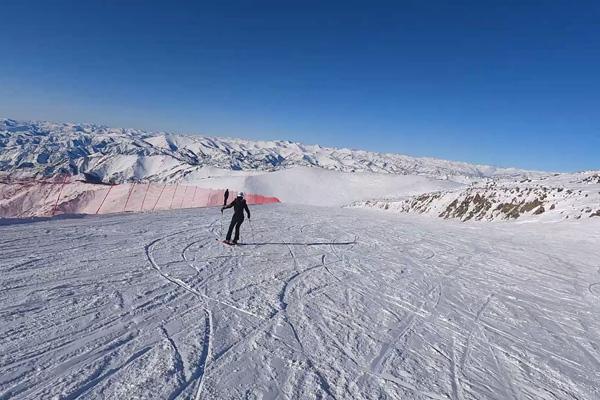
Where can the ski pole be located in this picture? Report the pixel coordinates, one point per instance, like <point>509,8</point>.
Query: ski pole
<point>252,230</point>
<point>221,234</point>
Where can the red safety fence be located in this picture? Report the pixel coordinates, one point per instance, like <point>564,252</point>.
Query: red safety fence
<point>64,195</point>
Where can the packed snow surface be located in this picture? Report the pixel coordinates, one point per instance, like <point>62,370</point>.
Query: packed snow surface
<point>318,303</point>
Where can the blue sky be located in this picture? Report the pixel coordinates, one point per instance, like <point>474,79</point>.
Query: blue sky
<point>510,83</point>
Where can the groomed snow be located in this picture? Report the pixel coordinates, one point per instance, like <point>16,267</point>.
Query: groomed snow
<point>319,303</point>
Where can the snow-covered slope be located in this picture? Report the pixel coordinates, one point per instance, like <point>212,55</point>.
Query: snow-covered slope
<point>118,155</point>
<point>553,198</point>
<point>331,304</point>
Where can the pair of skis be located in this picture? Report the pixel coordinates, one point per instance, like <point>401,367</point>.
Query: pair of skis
<point>228,242</point>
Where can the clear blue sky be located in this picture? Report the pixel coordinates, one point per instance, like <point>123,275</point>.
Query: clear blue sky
<point>510,83</point>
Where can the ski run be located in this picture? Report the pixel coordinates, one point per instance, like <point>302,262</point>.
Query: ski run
<point>317,303</point>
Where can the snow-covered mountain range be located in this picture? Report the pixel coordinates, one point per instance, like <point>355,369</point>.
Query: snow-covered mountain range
<point>114,155</point>
<point>292,172</point>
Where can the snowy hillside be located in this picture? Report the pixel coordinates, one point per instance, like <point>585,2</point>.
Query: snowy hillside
<point>119,155</point>
<point>321,187</point>
<point>552,198</point>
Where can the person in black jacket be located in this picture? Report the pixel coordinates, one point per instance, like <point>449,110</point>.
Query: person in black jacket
<point>225,197</point>
<point>239,205</point>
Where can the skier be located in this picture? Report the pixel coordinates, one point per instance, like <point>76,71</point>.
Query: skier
<point>225,197</point>
<point>239,205</point>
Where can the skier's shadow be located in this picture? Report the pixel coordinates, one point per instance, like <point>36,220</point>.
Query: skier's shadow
<point>298,243</point>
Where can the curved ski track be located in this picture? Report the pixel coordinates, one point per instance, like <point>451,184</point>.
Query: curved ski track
<point>338,304</point>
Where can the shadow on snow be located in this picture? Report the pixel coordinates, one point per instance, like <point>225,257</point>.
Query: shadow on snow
<point>298,243</point>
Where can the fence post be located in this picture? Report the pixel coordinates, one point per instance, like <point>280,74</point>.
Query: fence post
<point>103,200</point>
<point>145,194</point>
<point>47,194</point>
<point>59,193</point>
<point>194,196</point>
<point>128,196</point>
<point>173,197</point>
<point>160,194</point>
<point>183,199</point>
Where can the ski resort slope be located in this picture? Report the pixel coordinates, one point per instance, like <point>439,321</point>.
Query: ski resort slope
<point>318,303</point>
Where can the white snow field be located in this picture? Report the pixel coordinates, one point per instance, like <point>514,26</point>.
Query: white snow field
<point>319,303</point>
<point>319,186</point>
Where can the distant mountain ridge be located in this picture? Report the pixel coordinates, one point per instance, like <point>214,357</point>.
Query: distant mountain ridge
<point>118,155</point>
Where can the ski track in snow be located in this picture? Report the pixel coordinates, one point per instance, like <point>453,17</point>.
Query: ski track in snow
<point>339,304</point>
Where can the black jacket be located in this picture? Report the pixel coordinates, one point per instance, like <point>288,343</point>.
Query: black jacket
<point>239,205</point>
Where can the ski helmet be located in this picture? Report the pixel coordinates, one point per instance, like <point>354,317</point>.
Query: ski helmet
<point>240,194</point>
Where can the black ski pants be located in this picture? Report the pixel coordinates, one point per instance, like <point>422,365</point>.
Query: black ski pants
<point>235,222</point>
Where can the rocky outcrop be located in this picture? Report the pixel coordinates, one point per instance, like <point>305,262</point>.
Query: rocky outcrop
<point>560,197</point>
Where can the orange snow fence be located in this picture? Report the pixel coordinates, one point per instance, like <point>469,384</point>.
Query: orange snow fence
<point>63,195</point>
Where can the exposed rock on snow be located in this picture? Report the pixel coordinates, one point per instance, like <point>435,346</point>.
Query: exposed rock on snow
<point>562,196</point>
<point>592,178</point>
